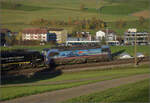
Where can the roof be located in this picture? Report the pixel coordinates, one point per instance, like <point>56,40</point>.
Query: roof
<point>4,30</point>
<point>109,31</point>
<point>124,54</point>
<point>35,31</point>
<point>55,29</point>
<point>139,54</point>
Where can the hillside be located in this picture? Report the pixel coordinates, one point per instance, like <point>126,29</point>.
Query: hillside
<point>17,14</point>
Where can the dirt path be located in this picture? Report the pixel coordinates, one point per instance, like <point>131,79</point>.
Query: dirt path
<point>62,95</point>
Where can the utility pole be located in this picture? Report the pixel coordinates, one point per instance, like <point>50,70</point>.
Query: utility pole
<point>135,48</point>
<point>107,33</point>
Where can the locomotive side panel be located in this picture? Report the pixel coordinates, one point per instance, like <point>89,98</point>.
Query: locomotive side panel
<point>78,56</point>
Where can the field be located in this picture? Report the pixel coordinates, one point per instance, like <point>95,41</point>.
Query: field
<point>130,49</point>
<point>40,84</point>
<point>108,10</point>
<point>145,13</point>
<point>136,92</point>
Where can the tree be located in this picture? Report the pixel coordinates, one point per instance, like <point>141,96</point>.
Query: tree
<point>103,41</point>
<point>10,40</point>
<point>120,23</point>
<point>19,37</point>
<point>141,20</point>
<point>82,7</point>
<point>69,20</point>
<point>79,35</point>
<point>87,25</point>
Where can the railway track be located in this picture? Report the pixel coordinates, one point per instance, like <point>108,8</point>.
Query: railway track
<point>64,68</point>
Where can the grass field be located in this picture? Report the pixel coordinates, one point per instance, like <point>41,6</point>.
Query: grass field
<point>110,11</point>
<point>125,7</point>
<point>130,49</point>
<point>19,91</point>
<point>136,92</point>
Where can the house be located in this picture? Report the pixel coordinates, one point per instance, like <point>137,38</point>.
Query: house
<point>125,56</point>
<point>109,36</point>
<point>61,34</point>
<point>140,55</point>
<point>40,34</point>
<point>3,33</point>
<point>142,38</point>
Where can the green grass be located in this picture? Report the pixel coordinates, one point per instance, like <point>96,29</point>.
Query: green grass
<point>14,92</point>
<point>125,7</point>
<point>130,49</point>
<point>136,92</point>
<point>18,6</point>
<point>129,24</point>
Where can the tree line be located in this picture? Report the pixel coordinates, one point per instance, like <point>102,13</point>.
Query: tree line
<point>80,24</point>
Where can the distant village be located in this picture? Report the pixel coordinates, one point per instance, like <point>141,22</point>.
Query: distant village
<point>62,37</point>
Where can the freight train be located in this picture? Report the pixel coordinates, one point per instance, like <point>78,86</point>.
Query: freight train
<point>12,59</point>
<point>54,56</point>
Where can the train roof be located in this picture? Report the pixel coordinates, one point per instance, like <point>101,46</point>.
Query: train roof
<point>105,46</point>
<point>66,48</point>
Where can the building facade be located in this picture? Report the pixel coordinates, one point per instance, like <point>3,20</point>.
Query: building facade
<point>61,34</point>
<point>142,38</point>
<point>108,35</point>
<point>38,34</point>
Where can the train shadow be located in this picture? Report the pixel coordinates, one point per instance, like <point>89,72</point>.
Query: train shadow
<point>117,53</point>
<point>44,74</point>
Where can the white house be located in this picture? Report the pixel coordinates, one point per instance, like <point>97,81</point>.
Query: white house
<point>100,35</point>
<point>34,34</point>
<point>109,35</point>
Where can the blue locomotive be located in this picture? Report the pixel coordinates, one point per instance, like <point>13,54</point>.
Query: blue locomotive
<point>75,55</point>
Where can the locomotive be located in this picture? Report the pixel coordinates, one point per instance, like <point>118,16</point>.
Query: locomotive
<point>19,58</point>
<point>75,55</point>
